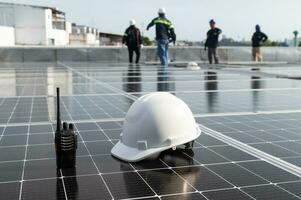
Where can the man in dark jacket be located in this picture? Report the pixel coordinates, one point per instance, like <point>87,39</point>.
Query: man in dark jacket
<point>164,34</point>
<point>212,42</point>
<point>257,40</point>
<point>132,39</point>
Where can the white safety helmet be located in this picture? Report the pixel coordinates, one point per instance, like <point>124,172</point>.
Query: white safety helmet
<point>162,11</point>
<point>155,122</point>
<point>132,22</point>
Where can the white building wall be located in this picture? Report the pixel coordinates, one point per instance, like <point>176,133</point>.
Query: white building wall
<point>7,36</point>
<point>77,39</point>
<point>91,39</point>
<point>48,27</point>
<point>69,27</point>
<point>87,39</point>
<point>30,26</point>
<point>6,15</point>
<point>60,37</point>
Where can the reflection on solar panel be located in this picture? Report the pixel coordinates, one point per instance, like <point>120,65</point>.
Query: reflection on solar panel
<point>255,109</point>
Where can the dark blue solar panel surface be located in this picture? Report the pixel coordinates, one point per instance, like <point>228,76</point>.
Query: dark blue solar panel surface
<point>257,109</point>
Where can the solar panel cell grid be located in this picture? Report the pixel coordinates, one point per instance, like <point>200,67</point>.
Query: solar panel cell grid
<point>97,96</point>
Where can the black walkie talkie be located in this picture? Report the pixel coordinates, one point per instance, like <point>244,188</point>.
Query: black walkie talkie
<point>68,146</point>
<point>65,141</point>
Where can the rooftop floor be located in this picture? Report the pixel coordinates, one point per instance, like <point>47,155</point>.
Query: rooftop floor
<point>257,108</point>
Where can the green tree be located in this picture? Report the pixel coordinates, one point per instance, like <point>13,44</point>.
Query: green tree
<point>271,43</point>
<point>295,38</point>
<point>146,41</point>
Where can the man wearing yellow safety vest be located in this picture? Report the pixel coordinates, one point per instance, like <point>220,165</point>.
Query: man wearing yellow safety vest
<point>164,34</point>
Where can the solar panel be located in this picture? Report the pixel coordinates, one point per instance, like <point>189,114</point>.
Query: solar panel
<point>275,134</point>
<point>260,112</point>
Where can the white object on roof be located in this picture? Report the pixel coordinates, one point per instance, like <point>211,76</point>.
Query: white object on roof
<point>193,65</point>
<point>155,122</point>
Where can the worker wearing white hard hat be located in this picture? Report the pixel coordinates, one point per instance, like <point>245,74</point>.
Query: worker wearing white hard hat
<point>164,34</point>
<point>132,22</point>
<point>162,11</point>
<point>154,123</point>
<point>133,40</point>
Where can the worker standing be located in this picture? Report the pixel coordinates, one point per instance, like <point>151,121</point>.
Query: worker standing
<point>212,42</point>
<point>257,41</point>
<point>132,39</point>
<point>164,34</point>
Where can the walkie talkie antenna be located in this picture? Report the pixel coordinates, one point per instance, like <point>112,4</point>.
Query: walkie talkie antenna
<point>58,111</point>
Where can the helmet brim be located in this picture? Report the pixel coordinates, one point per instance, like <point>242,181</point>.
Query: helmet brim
<point>130,154</point>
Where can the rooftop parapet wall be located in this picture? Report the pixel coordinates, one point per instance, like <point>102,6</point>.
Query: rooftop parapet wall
<point>119,55</point>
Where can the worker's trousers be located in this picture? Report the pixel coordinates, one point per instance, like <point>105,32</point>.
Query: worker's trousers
<point>212,54</point>
<point>133,49</point>
<point>256,54</point>
<point>163,52</point>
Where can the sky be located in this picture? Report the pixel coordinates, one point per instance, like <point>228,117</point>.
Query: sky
<point>237,18</point>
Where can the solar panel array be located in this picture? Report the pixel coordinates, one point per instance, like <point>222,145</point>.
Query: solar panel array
<point>257,109</point>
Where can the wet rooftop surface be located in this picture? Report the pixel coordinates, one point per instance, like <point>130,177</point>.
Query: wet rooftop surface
<point>256,108</point>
